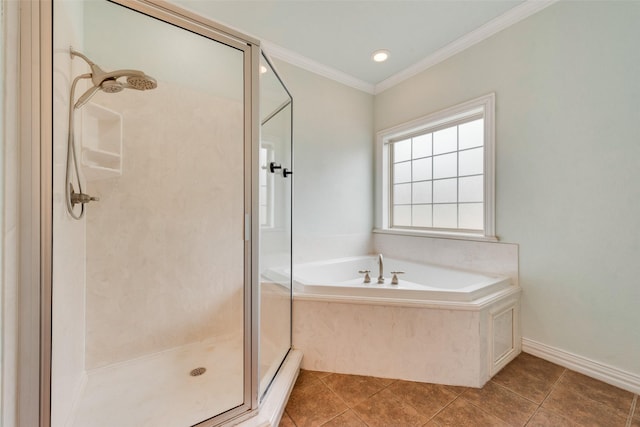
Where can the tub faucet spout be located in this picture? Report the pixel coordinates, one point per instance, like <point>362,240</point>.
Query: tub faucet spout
<point>380,270</point>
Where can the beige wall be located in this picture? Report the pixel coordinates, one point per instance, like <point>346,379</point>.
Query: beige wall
<point>333,157</point>
<point>567,90</point>
<point>165,243</point>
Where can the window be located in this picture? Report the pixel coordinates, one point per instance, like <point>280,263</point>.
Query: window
<point>437,173</point>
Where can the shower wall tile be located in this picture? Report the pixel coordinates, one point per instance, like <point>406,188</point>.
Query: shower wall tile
<point>483,257</point>
<point>68,275</point>
<point>165,242</point>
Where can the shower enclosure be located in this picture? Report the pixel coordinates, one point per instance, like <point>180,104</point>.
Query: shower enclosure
<point>169,207</point>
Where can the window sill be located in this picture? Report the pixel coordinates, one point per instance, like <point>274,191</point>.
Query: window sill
<point>437,234</point>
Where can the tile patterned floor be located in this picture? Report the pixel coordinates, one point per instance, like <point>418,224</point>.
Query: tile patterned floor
<point>529,391</point>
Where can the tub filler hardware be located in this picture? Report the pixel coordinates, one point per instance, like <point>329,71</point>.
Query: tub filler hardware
<point>367,278</point>
<point>380,270</point>
<point>394,280</point>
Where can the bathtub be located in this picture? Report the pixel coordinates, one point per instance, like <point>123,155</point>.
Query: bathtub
<point>420,282</point>
<point>438,325</point>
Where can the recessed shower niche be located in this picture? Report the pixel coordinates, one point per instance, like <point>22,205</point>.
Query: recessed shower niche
<point>101,142</point>
<point>157,303</point>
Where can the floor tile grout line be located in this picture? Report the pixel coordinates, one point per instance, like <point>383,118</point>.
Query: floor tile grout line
<point>335,416</point>
<point>403,401</point>
<point>538,407</point>
<point>634,403</point>
<point>553,386</point>
<point>347,403</point>
<point>444,407</point>
<point>514,392</point>
<point>489,413</point>
<point>355,413</point>
<point>533,415</point>
<point>285,412</point>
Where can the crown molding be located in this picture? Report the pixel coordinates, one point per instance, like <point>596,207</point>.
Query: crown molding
<point>293,58</point>
<point>518,13</point>
<point>512,16</point>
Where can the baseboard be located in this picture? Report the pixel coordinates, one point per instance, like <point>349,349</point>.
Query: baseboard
<point>591,368</point>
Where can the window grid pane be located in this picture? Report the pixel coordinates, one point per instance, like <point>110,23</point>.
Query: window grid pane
<point>440,175</point>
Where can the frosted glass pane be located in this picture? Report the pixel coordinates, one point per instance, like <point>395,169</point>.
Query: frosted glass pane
<point>471,189</point>
<point>422,146</point>
<point>422,192</point>
<point>445,140</point>
<point>421,216</point>
<point>445,191</point>
<point>471,216</point>
<point>402,215</point>
<point>402,194</point>
<point>422,169</point>
<point>471,134</point>
<point>445,166</point>
<point>445,216</point>
<point>402,151</point>
<point>471,162</point>
<point>402,172</point>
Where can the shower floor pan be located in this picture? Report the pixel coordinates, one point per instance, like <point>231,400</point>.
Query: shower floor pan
<point>158,390</point>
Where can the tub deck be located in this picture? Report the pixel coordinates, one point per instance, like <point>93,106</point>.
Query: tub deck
<point>420,282</point>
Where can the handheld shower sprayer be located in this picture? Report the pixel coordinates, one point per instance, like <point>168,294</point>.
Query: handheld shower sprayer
<point>107,82</point>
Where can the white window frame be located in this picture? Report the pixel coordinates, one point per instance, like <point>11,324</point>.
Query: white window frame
<point>484,104</point>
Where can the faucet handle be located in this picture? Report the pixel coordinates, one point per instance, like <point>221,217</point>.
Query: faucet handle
<point>394,280</point>
<point>367,279</point>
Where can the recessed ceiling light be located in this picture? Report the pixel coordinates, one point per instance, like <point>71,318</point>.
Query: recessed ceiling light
<point>263,69</point>
<point>380,55</point>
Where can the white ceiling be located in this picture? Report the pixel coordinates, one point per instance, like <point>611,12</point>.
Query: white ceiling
<point>341,35</point>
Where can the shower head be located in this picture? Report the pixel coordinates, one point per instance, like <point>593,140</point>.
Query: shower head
<point>142,82</point>
<point>108,81</point>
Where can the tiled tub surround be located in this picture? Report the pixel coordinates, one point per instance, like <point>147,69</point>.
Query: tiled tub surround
<point>483,257</point>
<point>439,341</point>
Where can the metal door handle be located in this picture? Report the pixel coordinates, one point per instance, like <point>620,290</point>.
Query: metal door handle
<point>273,166</point>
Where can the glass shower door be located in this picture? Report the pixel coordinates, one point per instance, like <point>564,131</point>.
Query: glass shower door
<point>151,285</point>
<point>275,223</point>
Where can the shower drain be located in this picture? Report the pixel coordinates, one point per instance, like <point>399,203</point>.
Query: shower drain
<point>198,371</point>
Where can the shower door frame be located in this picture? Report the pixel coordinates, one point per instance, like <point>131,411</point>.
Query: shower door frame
<point>36,199</point>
